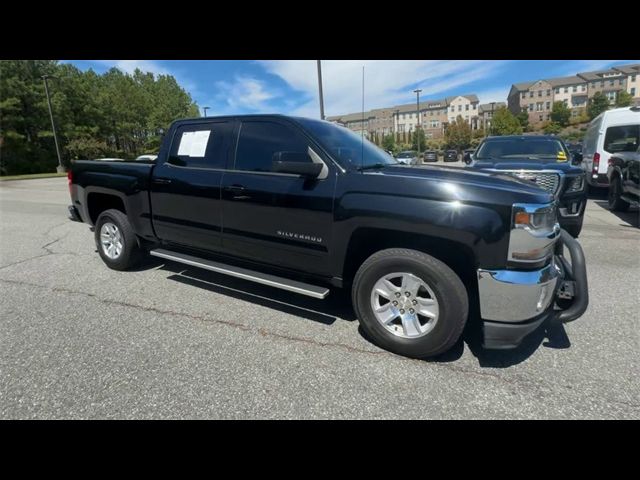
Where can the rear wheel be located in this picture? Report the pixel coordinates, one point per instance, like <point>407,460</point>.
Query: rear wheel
<point>116,241</point>
<point>410,303</point>
<point>616,203</point>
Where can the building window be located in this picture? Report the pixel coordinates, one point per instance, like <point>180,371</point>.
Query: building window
<point>548,105</point>
<point>459,108</point>
<point>633,91</point>
<point>475,106</point>
<point>633,78</point>
<point>539,93</point>
<point>593,84</point>
<point>620,82</point>
<point>530,94</point>
<point>466,107</point>
<point>453,108</point>
<point>541,117</point>
<point>565,101</point>
<point>584,88</point>
<point>566,89</point>
<point>531,107</point>
<point>575,88</point>
<point>403,117</point>
<point>557,90</point>
<point>548,92</point>
<point>611,83</point>
<point>601,83</point>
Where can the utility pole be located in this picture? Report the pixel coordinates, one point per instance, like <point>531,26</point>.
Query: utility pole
<point>491,124</point>
<point>205,110</point>
<point>60,168</point>
<point>417,92</point>
<point>320,90</point>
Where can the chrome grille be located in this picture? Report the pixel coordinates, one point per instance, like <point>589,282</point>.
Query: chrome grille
<point>548,181</point>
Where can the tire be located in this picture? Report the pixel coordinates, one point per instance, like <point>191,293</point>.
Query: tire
<point>574,230</point>
<point>130,253</point>
<point>451,298</point>
<point>616,203</point>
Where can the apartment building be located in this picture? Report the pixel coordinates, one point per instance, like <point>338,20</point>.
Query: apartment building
<point>433,116</point>
<point>537,97</point>
<point>485,113</point>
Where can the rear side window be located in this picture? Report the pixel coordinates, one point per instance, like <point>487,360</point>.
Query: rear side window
<point>622,138</point>
<point>203,145</point>
<point>260,140</point>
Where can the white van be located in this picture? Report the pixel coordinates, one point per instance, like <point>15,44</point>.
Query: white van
<point>616,130</point>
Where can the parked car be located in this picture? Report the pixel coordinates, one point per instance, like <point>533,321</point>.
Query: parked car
<point>306,205</point>
<point>544,160</point>
<point>450,156</point>
<point>430,156</point>
<point>408,157</point>
<point>574,148</point>
<point>611,132</point>
<point>624,180</point>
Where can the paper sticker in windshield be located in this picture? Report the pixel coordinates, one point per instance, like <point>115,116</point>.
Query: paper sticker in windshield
<point>562,157</point>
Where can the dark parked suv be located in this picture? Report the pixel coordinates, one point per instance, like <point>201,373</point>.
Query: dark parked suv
<point>544,160</point>
<point>624,180</point>
<point>450,156</point>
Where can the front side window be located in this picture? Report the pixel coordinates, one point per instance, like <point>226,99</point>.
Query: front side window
<point>622,138</point>
<point>203,145</point>
<point>345,146</point>
<point>259,141</point>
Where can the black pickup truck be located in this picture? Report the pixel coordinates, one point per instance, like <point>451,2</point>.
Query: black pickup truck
<point>305,205</point>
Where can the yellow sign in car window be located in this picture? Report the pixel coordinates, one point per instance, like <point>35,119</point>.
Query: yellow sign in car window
<point>562,157</point>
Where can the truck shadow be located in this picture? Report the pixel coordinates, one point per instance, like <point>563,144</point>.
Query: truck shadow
<point>632,216</point>
<point>337,306</point>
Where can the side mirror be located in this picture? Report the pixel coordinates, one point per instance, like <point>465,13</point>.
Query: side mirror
<point>576,158</point>
<point>467,158</point>
<point>297,163</point>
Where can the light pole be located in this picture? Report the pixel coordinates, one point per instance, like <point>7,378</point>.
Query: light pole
<point>205,110</point>
<point>60,168</point>
<point>320,90</point>
<point>491,123</point>
<point>417,92</point>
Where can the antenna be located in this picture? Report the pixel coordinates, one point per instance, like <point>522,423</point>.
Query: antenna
<point>362,150</point>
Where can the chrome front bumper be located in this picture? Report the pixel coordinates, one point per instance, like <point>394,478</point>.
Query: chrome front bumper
<point>514,302</point>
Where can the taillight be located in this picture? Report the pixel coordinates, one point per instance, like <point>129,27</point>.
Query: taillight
<point>70,179</point>
<point>596,162</point>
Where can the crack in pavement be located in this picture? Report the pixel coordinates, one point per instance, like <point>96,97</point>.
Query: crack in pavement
<point>266,333</point>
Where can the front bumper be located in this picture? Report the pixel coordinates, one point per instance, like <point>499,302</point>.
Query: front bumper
<point>514,303</point>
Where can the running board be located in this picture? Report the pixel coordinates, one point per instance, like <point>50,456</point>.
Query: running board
<point>258,277</point>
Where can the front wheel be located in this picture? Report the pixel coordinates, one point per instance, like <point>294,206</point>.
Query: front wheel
<point>410,303</point>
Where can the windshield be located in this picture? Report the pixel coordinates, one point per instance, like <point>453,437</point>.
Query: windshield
<point>406,155</point>
<point>347,146</point>
<point>521,148</point>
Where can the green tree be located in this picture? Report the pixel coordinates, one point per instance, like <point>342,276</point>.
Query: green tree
<point>388,143</point>
<point>504,123</point>
<point>624,99</point>
<point>597,104</point>
<point>419,137</point>
<point>113,114</point>
<point>458,134</point>
<point>560,114</point>
<point>523,119</point>
<point>552,127</point>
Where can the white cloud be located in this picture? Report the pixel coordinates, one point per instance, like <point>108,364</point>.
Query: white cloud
<point>387,82</point>
<point>494,94</point>
<point>245,93</point>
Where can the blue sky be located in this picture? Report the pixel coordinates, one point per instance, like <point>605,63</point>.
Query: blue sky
<point>290,86</point>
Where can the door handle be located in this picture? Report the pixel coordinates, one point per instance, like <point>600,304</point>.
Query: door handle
<point>235,188</point>
<point>237,192</point>
<point>162,181</point>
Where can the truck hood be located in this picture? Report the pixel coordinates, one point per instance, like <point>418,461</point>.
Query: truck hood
<point>447,184</point>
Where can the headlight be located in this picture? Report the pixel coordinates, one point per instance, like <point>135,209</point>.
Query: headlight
<point>576,184</point>
<point>534,231</point>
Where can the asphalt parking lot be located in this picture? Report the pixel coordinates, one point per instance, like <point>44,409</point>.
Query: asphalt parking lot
<point>78,340</point>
